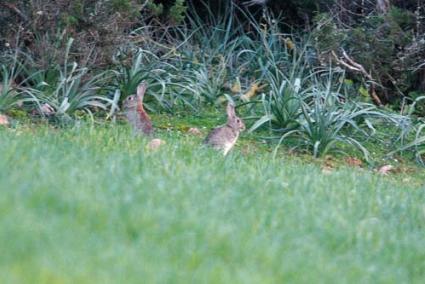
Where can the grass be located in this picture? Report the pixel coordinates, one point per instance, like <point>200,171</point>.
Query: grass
<point>92,205</point>
<point>197,66</point>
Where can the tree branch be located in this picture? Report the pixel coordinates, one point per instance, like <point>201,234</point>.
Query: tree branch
<point>352,65</point>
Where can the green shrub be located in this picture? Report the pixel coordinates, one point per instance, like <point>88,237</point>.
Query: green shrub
<point>177,12</point>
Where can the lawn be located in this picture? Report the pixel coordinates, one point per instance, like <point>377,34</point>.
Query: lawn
<point>93,205</point>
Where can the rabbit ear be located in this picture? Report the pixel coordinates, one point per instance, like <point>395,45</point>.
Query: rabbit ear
<point>141,89</point>
<point>230,110</point>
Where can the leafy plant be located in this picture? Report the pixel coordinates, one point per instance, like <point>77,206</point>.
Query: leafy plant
<point>324,120</point>
<point>207,56</point>
<point>288,87</point>
<point>145,66</point>
<point>10,95</point>
<point>177,12</point>
<point>205,84</point>
<point>417,145</point>
<point>329,119</point>
<point>64,90</point>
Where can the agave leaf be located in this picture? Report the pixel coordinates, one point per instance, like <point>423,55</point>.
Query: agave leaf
<point>264,119</point>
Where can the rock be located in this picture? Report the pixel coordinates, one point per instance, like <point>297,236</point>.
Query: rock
<point>328,165</point>
<point>154,144</point>
<point>4,120</point>
<point>47,110</point>
<point>326,170</point>
<point>354,162</point>
<point>194,131</point>
<point>385,170</point>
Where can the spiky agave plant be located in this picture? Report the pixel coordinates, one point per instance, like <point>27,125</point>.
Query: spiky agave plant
<point>287,90</point>
<point>216,34</point>
<point>69,89</point>
<point>330,119</point>
<point>324,120</point>
<point>208,55</point>
<point>417,145</point>
<point>205,83</point>
<point>288,77</point>
<point>145,66</point>
<point>10,93</point>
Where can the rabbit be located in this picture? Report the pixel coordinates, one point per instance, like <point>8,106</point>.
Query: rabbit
<point>224,137</point>
<point>136,114</point>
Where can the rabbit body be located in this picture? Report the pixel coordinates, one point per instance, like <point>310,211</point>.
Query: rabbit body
<point>222,138</point>
<point>225,137</point>
<point>135,112</point>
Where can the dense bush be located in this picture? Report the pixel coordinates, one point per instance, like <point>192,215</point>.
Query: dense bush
<point>383,48</point>
<point>42,28</point>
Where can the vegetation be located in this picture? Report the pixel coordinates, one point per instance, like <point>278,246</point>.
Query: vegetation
<point>89,204</point>
<point>280,80</point>
<point>323,86</point>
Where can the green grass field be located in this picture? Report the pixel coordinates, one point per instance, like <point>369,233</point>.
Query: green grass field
<point>92,205</point>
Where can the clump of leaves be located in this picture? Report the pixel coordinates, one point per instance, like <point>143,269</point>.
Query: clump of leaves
<point>417,146</point>
<point>65,90</point>
<point>177,12</point>
<point>286,74</point>
<point>10,93</point>
<point>326,121</point>
<point>134,66</point>
<point>318,117</point>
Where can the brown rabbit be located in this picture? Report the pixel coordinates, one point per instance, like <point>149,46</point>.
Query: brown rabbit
<point>225,137</point>
<point>135,112</point>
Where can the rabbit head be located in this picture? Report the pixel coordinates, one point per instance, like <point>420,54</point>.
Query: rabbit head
<point>233,121</point>
<point>133,101</point>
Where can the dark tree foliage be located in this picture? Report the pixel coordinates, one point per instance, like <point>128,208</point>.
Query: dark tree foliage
<point>386,37</point>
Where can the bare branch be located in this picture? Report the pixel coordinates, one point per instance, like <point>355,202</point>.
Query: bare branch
<point>13,7</point>
<point>349,63</point>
